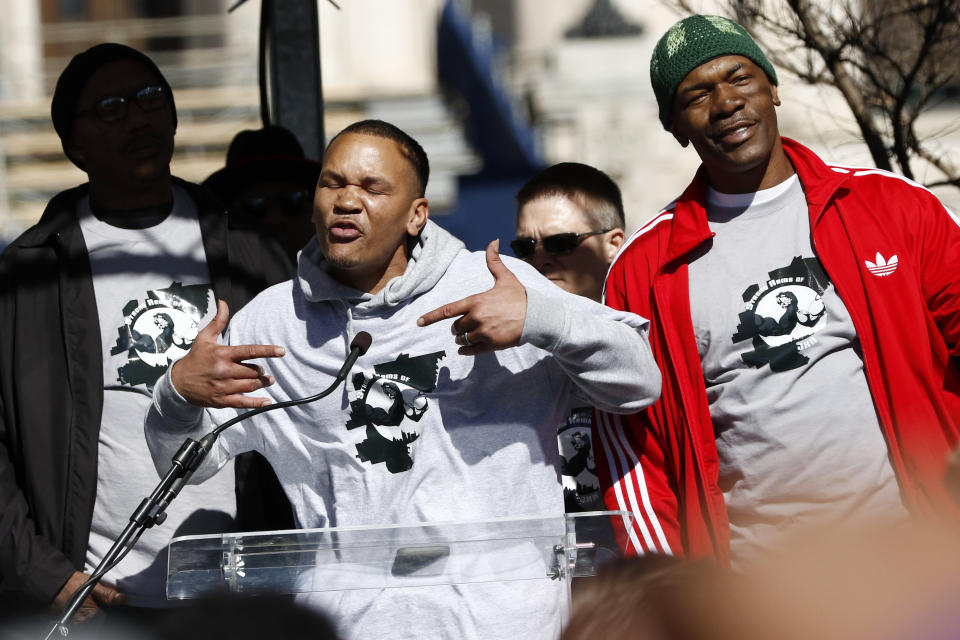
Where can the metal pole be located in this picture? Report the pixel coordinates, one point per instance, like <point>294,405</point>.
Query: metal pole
<point>293,53</point>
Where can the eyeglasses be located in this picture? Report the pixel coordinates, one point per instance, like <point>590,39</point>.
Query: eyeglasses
<point>115,108</point>
<point>557,244</point>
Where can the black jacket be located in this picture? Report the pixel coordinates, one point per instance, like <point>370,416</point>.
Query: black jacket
<point>51,386</point>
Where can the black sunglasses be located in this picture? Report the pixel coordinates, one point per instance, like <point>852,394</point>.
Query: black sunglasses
<point>115,108</point>
<point>557,244</point>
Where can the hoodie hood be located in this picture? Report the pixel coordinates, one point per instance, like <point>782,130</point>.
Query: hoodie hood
<point>433,251</point>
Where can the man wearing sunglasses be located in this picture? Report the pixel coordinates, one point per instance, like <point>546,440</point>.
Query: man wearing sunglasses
<point>569,227</point>
<point>805,315</point>
<point>89,299</point>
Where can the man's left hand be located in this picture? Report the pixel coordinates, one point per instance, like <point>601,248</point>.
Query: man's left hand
<point>490,320</point>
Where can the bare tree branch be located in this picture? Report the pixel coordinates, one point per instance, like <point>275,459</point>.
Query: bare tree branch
<point>819,42</point>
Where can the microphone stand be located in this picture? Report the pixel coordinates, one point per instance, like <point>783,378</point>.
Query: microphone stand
<point>152,509</point>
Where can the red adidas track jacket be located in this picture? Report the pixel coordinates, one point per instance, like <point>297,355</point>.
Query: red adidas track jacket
<point>661,464</point>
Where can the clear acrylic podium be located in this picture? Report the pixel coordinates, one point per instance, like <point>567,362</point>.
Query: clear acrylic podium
<point>349,558</point>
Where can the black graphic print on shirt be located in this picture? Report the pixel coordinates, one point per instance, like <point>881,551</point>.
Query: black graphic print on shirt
<point>390,404</point>
<point>783,314</point>
<point>581,486</point>
<point>158,331</point>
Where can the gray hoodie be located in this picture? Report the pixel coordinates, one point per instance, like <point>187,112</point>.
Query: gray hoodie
<point>420,433</point>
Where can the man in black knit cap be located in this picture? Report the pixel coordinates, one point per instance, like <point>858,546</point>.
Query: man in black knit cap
<point>97,300</point>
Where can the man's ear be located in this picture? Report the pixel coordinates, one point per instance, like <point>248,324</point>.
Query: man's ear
<point>615,240</point>
<point>419,213</point>
<point>776,96</point>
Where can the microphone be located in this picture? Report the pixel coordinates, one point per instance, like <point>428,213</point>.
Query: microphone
<point>191,460</point>
<point>152,509</point>
<point>358,346</point>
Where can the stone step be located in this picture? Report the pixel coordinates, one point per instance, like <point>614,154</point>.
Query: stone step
<point>208,118</point>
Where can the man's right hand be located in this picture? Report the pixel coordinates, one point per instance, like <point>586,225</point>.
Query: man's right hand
<point>215,375</point>
<point>101,595</point>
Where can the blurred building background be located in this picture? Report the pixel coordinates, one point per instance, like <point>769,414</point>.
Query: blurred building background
<point>494,89</point>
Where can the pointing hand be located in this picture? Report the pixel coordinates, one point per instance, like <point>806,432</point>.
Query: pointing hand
<point>490,320</point>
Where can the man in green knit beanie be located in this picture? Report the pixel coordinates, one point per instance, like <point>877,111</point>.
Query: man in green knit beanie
<point>691,42</point>
<point>687,60</point>
<point>803,314</point>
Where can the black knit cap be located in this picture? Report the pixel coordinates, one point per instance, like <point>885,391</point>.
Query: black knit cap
<point>691,42</point>
<point>63,109</point>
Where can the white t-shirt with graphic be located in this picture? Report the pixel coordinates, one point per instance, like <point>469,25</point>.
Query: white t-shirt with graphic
<point>153,295</point>
<point>797,434</point>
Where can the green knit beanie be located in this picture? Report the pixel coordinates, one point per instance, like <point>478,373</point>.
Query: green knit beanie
<point>691,42</point>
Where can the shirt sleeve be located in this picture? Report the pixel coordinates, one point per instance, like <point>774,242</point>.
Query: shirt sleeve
<point>939,252</point>
<point>170,421</point>
<point>630,458</point>
<point>604,352</point>
<point>29,563</point>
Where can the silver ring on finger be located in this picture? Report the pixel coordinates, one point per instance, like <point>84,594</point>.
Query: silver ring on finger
<point>466,340</point>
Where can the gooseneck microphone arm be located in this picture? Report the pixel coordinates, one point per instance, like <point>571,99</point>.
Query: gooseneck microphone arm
<point>153,509</point>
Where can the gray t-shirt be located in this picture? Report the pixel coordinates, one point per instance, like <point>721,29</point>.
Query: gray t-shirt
<point>153,295</point>
<point>797,434</point>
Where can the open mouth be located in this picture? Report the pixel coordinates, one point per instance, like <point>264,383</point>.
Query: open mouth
<point>734,135</point>
<point>343,231</point>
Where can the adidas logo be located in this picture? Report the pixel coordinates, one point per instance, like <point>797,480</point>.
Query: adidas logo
<point>882,267</point>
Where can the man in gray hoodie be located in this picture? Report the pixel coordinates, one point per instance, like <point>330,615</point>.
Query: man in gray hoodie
<point>451,414</point>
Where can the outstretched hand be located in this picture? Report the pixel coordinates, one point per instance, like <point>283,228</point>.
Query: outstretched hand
<point>490,320</point>
<point>215,375</point>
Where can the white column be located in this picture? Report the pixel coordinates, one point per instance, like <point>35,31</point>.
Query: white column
<point>370,47</point>
<point>21,55</point>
